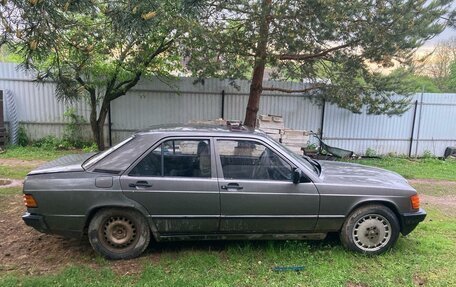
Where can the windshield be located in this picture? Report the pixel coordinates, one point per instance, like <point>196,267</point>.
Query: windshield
<point>98,156</point>
<point>307,161</point>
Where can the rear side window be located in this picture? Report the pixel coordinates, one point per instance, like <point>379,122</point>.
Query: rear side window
<point>123,156</point>
<point>177,158</point>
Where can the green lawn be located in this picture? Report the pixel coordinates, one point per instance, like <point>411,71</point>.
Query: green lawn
<point>34,153</point>
<point>429,168</point>
<point>426,256</point>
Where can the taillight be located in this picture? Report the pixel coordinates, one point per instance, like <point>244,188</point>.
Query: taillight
<point>415,201</point>
<point>30,201</point>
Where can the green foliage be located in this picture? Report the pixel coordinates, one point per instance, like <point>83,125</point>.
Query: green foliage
<point>428,154</point>
<point>370,152</point>
<point>334,46</point>
<point>22,137</point>
<point>55,143</point>
<point>73,132</point>
<point>95,49</point>
<point>51,143</point>
<point>90,148</point>
<point>33,153</point>
<point>452,79</point>
<point>417,83</point>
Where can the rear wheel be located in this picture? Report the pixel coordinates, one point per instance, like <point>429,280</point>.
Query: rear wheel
<point>371,229</point>
<point>118,233</point>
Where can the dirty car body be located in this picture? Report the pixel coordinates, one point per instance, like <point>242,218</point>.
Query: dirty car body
<point>214,182</point>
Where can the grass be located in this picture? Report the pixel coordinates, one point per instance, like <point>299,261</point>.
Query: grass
<point>34,153</point>
<point>429,168</point>
<point>28,155</point>
<point>14,172</point>
<point>10,191</point>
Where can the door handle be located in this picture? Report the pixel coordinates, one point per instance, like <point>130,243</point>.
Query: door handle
<point>234,186</point>
<point>140,183</point>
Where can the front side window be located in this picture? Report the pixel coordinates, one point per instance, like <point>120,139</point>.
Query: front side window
<point>181,158</point>
<point>243,159</point>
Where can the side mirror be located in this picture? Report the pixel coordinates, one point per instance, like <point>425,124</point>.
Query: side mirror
<point>297,174</point>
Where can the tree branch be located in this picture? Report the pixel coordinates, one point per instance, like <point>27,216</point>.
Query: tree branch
<point>289,91</point>
<point>302,57</point>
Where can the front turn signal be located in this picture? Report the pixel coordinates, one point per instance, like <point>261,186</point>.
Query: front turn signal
<point>30,201</point>
<point>415,201</point>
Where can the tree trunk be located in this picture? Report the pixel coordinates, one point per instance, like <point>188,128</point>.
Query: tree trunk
<point>96,132</point>
<point>97,124</point>
<point>256,87</point>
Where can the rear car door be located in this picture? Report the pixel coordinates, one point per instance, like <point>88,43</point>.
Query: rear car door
<point>257,193</point>
<point>175,181</point>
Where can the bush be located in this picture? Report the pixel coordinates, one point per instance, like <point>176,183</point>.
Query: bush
<point>370,152</point>
<point>22,138</point>
<point>428,154</point>
<point>72,134</point>
<point>90,148</point>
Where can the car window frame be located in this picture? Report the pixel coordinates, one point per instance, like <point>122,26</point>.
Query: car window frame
<point>164,139</point>
<point>260,141</point>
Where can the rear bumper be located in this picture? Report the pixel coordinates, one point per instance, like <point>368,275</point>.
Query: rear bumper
<point>35,221</point>
<point>409,221</point>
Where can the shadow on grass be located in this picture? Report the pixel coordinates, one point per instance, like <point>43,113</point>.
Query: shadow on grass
<point>332,240</point>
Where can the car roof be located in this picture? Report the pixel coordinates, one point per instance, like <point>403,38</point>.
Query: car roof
<point>200,129</point>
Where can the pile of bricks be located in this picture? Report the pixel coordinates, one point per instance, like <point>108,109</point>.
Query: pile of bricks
<point>274,127</point>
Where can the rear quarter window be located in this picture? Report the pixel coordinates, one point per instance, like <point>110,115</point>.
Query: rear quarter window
<point>119,160</point>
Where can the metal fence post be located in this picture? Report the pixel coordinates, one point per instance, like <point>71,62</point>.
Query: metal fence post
<point>2,122</point>
<point>413,128</point>
<point>419,125</point>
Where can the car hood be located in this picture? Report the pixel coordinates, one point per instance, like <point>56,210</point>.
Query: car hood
<point>356,174</point>
<point>68,163</point>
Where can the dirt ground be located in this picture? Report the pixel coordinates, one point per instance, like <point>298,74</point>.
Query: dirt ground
<point>20,162</point>
<point>446,203</point>
<point>26,251</point>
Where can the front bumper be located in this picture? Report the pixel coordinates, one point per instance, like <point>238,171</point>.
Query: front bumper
<point>409,221</point>
<point>35,221</point>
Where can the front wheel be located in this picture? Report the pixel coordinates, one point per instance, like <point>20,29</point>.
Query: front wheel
<point>117,233</point>
<point>372,229</point>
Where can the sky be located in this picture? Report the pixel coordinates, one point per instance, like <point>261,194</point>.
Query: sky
<point>445,35</point>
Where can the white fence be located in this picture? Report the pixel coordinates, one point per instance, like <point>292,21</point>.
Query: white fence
<point>429,125</point>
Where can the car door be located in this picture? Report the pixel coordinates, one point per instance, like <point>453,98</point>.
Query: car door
<point>175,181</point>
<point>257,193</point>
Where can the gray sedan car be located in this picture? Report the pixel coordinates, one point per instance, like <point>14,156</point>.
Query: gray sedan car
<point>215,182</point>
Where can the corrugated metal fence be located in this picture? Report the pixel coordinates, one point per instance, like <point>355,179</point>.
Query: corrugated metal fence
<point>432,117</point>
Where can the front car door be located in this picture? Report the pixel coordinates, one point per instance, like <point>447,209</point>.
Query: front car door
<point>176,182</point>
<point>257,193</point>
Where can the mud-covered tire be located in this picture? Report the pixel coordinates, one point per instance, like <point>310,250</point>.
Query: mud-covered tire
<point>118,233</point>
<point>371,229</point>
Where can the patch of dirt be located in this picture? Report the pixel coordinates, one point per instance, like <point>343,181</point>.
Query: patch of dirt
<point>418,280</point>
<point>27,251</point>
<point>446,204</point>
<point>20,162</point>
<point>433,181</point>
<point>31,252</point>
<point>4,183</point>
<point>127,267</point>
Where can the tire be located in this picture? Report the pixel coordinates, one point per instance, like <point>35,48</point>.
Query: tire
<point>371,229</point>
<point>118,233</point>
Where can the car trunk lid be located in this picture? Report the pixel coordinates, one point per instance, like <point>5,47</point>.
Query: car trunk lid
<point>68,163</point>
